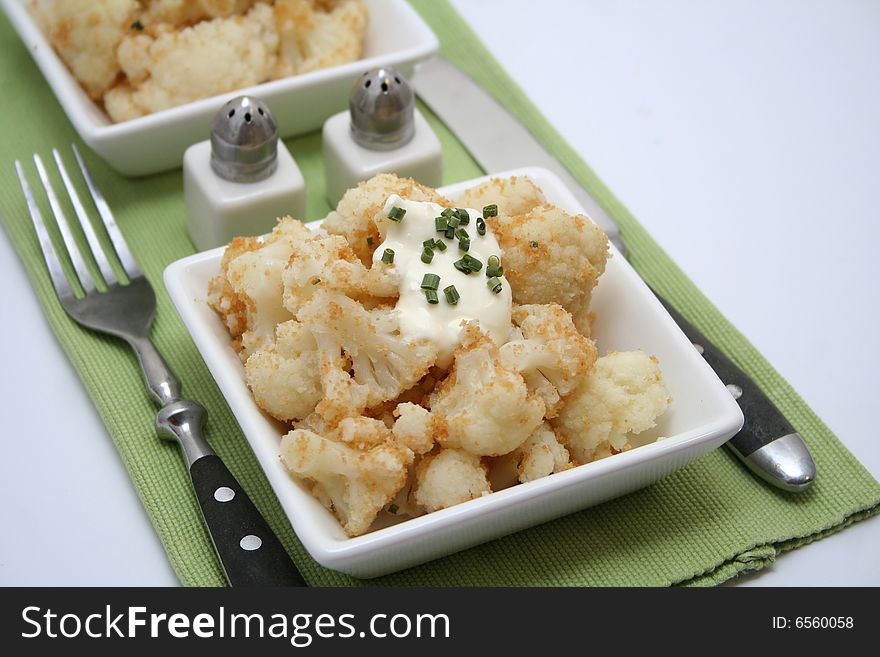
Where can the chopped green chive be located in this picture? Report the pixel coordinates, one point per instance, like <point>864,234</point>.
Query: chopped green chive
<point>428,244</point>
<point>472,263</point>
<point>450,233</point>
<point>464,218</point>
<point>447,212</point>
<point>481,226</point>
<point>427,256</point>
<point>396,213</point>
<point>388,256</point>
<point>464,244</point>
<point>461,266</point>
<point>440,245</point>
<point>430,282</point>
<point>493,267</point>
<point>533,244</point>
<point>137,25</point>
<point>440,224</point>
<point>370,241</point>
<point>431,296</point>
<point>452,295</point>
<point>393,508</point>
<point>462,234</point>
<point>490,211</point>
<point>494,284</point>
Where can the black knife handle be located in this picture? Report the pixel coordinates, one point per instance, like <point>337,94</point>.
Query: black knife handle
<point>787,464</point>
<point>249,551</point>
<point>764,423</point>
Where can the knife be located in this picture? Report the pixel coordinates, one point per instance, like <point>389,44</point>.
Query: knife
<point>767,444</point>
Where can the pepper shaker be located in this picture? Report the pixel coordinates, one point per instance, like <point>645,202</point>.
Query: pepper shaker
<point>242,179</point>
<point>382,132</point>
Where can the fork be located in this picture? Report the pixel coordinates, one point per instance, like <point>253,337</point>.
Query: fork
<point>250,553</point>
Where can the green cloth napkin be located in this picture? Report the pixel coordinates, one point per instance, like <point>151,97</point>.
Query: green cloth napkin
<point>701,525</point>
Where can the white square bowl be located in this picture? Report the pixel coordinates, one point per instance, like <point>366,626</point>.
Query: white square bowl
<point>396,36</point>
<point>702,416</point>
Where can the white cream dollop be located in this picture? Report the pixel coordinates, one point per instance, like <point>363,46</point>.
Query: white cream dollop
<point>442,322</point>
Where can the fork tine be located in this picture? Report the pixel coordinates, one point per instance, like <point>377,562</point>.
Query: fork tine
<point>125,257</point>
<point>50,256</point>
<point>91,237</point>
<point>73,251</point>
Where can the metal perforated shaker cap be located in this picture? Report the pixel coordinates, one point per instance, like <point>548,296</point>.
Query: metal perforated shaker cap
<point>381,105</point>
<point>244,141</point>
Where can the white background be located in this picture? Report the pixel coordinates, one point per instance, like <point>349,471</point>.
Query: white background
<point>744,136</point>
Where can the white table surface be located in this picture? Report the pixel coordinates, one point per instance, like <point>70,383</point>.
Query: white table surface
<point>744,137</point>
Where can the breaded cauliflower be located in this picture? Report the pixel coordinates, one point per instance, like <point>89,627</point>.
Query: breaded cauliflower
<point>542,454</point>
<point>413,427</point>
<point>354,483</point>
<point>623,394</point>
<point>251,279</point>
<point>285,376</point>
<point>86,33</point>
<point>209,58</point>
<point>449,477</point>
<point>316,35</point>
<point>513,196</point>
<point>360,212</point>
<point>552,355</point>
<point>327,262</point>
<point>551,256</point>
<point>484,407</point>
<point>368,343</point>
<point>180,13</point>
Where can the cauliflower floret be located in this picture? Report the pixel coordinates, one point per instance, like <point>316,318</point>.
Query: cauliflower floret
<point>483,407</point>
<point>513,196</point>
<point>542,454</point>
<point>209,58</point>
<point>318,34</point>
<point>86,33</point>
<point>253,281</point>
<point>383,365</point>
<point>354,483</point>
<point>623,394</point>
<point>285,376</point>
<point>328,262</point>
<point>449,477</point>
<point>552,257</point>
<point>414,427</point>
<point>229,304</point>
<point>188,12</point>
<point>552,356</point>
<point>360,212</point>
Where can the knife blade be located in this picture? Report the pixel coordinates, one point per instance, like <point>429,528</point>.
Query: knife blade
<point>767,444</point>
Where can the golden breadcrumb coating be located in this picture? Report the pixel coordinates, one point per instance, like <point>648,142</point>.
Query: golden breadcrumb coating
<point>513,196</point>
<point>311,39</point>
<point>209,58</point>
<point>142,57</point>
<point>354,483</point>
<point>449,477</point>
<point>486,408</point>
<point>623,394</point>
<point>551,256</point>
<point>359,214</point>
<point>86,34</point>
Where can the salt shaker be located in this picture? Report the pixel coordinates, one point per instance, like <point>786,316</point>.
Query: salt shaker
<point>382,132</point>
<point>242,179</point>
